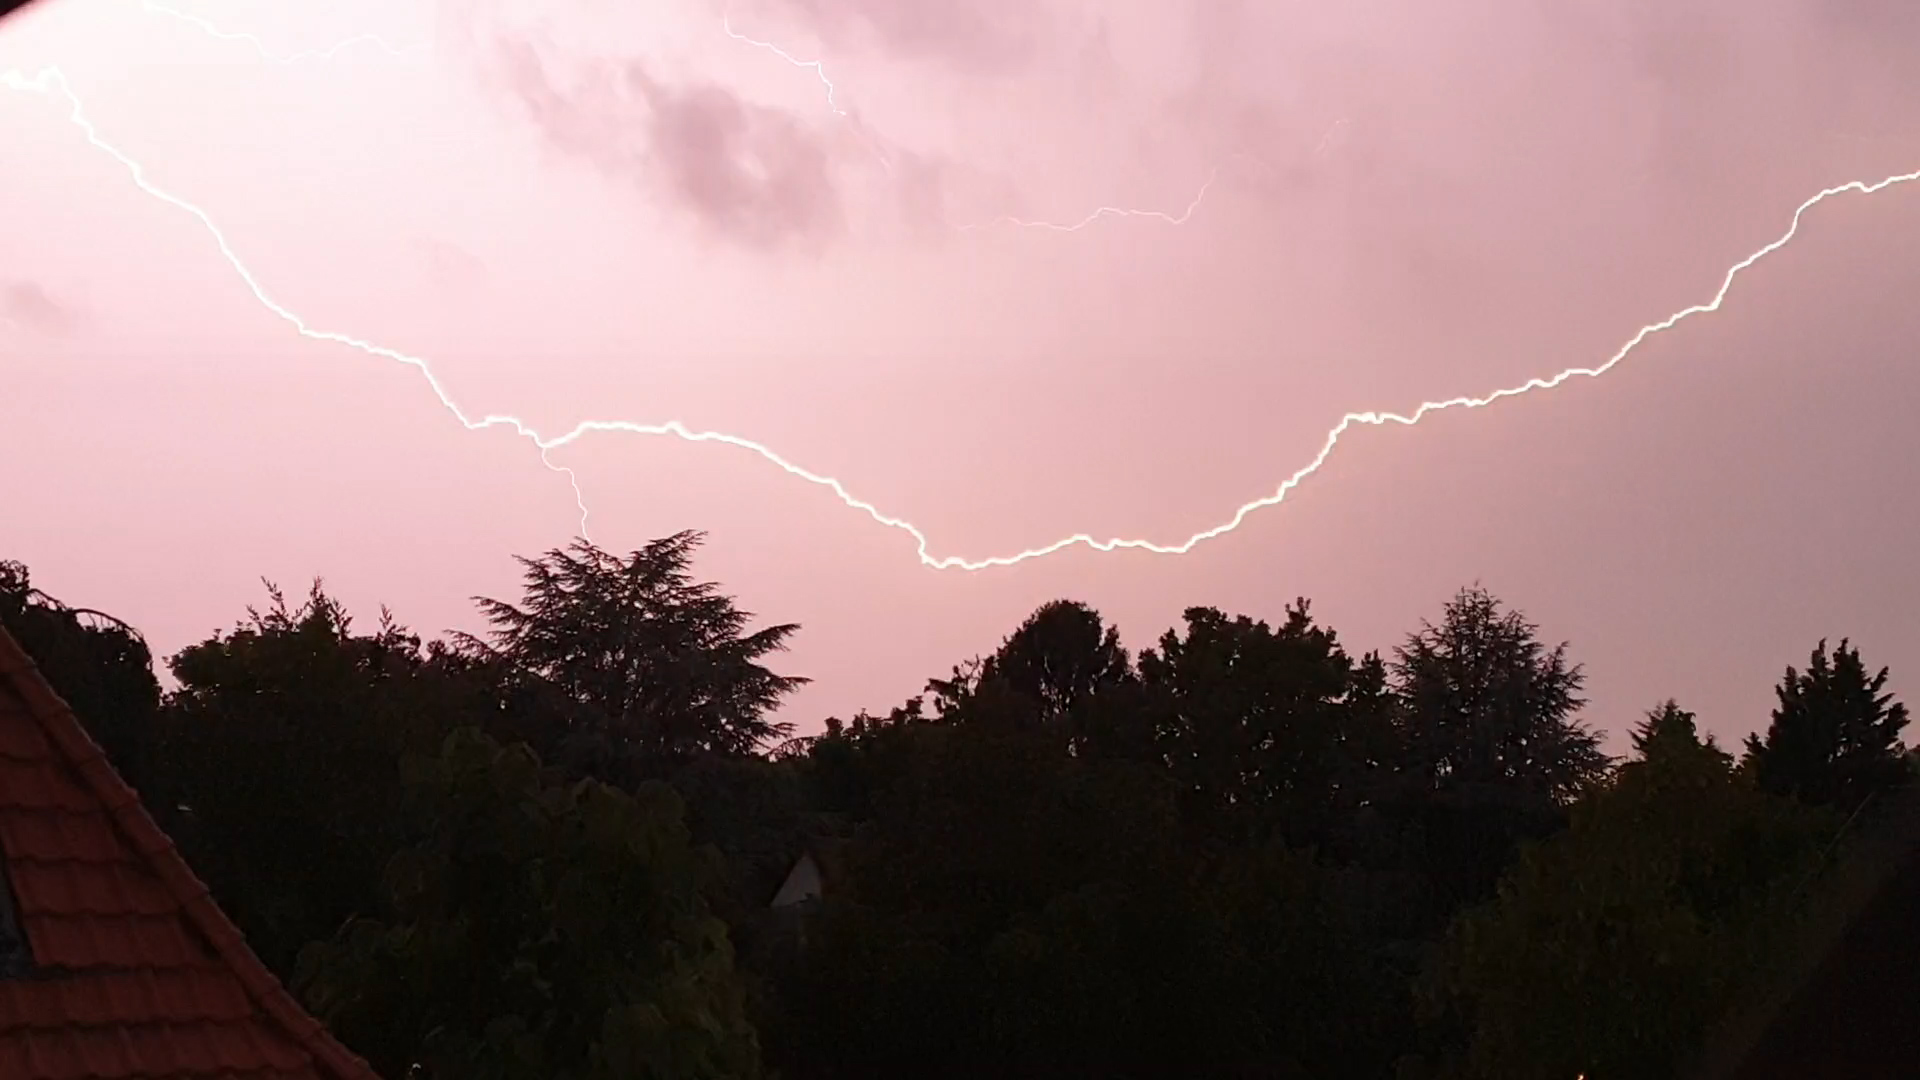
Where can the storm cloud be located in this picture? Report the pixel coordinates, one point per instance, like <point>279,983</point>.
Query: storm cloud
<point>754,174</point>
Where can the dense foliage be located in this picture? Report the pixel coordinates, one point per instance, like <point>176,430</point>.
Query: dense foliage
<point>550,851</point>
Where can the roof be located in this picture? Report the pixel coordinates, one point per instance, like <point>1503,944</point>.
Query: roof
<point>130,969</point>
<point>821,867</point>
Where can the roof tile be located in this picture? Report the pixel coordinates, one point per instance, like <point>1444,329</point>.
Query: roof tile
<point>81,942</point>
<point>23,742</point>
<point>108,1052</point>
<point>56,835</point>
<point>38,785</point>
<point>136,974</point>
<point>89,888</point>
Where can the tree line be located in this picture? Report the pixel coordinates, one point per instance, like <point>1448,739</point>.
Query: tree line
<point>548,851</point>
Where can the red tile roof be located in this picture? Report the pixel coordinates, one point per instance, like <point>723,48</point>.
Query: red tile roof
<point>134,972</point>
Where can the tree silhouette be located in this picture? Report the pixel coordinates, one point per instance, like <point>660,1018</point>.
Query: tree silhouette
<point>656,665</point>
<point>1612,947</point>
<point>278,757</point>
<point>1835,735</point>
<point>1250,721</point>
<point>539,931</point>
<point>100,665</point>
<point>1372,733</point>
<point>1012,904</point>
<point>1061,671</point>
<point>1488,705</point>
<point>1490,754</point>
<point>1061,656</point>
<point>1248,852</point>
<point>1670,734</point>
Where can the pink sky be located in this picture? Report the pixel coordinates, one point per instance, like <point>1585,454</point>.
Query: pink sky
<point>594,211</point>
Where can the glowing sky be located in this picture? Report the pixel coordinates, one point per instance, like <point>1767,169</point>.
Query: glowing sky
<point>597,210</point>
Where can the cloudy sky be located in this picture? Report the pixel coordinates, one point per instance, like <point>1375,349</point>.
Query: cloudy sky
<point>893,269</point>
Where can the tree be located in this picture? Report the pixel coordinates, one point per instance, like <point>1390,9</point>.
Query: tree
<point>1250,720</point>
<point>843,768</point>
<point>1488,705</point>
<point>1061,671</point>
<point>98,664</point>
<point>1670,736</point>
<point>1061,656</point>
<point>278,761</point>
<point>1331,1001</point>
<point>654,665</point>
<point>1835,735</point>
<point>752,811</point>
<point>1491,750</point>
<point>1372,733</point>
<point>988,857</point>
<point>1613,947</point>
<point>539,931</point>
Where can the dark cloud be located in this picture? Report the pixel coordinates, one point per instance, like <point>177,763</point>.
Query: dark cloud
<point>30,305</point>
<point>753,174</point>
<point>752,171</point>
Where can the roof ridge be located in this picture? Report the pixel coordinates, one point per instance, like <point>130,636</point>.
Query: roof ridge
<point>130,818</point>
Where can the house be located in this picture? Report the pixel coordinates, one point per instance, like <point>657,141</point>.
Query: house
<point>1847,1006</point>
<point>114,960</point>
<point>819,869</point>
<point>803,883</point>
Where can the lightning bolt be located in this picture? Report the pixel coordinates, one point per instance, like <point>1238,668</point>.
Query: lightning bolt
<point>51,81</point>
<point>54,81</point>
<point>260,46</point>
<point>1105,212</point>
<point>819,67</point>
<point>874,142</point>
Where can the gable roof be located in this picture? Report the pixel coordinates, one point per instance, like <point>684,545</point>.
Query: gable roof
<point>130,969</point>
<point>821,867</point>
